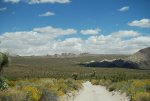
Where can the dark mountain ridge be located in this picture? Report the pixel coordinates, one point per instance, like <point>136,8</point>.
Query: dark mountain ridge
<point>139,60</point>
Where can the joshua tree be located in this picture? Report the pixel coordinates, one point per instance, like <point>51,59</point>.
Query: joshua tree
<point>93,74</point>
<point>3,61</point>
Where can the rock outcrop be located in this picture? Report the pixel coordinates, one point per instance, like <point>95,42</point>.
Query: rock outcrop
<point>142,58</point>
<point>139,60</point>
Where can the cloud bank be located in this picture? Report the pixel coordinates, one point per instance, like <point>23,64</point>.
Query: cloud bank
<point>46,40</point>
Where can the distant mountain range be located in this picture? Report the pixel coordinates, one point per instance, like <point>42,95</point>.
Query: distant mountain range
<point>139,60</point>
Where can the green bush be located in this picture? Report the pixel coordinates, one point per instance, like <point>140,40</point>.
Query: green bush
<point>118,77</point>
<point>111,88</point>
<point>3,84</point>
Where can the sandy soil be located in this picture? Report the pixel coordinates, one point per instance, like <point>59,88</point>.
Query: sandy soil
<point>97,93</point>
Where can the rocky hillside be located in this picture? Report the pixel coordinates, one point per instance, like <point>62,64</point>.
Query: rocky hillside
<point>142,58</point>
<point>139,60</point>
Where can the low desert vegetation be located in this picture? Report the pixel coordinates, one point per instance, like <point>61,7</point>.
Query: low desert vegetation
<point>49,78</point>
<point>63,67</point>
<point>44,89</point>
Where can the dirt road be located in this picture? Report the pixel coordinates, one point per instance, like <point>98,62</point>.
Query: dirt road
<point>98,93</point>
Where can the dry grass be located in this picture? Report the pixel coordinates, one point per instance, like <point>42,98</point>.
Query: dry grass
<point>27,67</point>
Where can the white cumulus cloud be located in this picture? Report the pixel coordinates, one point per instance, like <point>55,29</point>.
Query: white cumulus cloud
<point>69,45</point>
<point>143,23</point>
<point>54,31</point>
<point>90,31</point>
<point>12,1</point>
<point>47,14</point>
<point>126,33</point>
<point>125,8</point>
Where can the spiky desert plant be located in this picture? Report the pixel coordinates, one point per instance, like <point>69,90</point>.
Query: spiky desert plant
<point>4,60</point>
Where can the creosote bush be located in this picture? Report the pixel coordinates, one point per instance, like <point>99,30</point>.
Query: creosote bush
<point>118,77</point>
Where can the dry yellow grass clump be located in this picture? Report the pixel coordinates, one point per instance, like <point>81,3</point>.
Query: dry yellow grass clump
<point>44,89</point>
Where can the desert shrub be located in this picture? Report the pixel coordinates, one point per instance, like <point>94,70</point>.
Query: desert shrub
<point>124,86</point>
<point>118,77</point>
<point>137,90</point>
<point>6,98</point>
<point>63,89</point>
<point>111,88</point>
<point>65,86</point>
<point>147,87</point>
<point>33,93</point>
<point>48,95</point>
<point>3,83</point>
<point>105,82</point>
<point>75,76</point>
<point>12,95</point>
<point>72,84</point>
<point>138,86</point>
<point>20,96</point>
<point>95,82</point>
<point>93,74</point>
<point>10,83</point>
<point>141,96</point>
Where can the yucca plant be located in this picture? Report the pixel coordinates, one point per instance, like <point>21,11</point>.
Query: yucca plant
<point>4,60</point>
<point>3,84</point>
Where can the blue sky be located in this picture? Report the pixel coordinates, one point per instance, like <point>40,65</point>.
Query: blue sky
<point>89,18</point>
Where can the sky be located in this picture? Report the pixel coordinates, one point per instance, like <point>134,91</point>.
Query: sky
<point>41,27</point>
